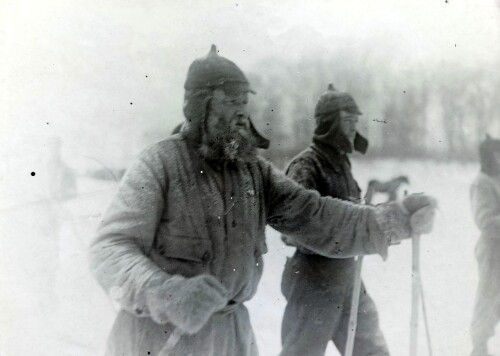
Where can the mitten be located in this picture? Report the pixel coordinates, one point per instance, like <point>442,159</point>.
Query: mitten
<point>414,202</point>
<point>188,303</point>
<point>422,209</point>
<point>414,215</point>
<point>422,221</point>
<point>394,221</point>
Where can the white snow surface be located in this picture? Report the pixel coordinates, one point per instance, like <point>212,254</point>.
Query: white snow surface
<point>74,316</point>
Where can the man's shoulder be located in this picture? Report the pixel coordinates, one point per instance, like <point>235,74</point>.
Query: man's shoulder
<point>159,154</point>
<point>483,181</point>
<point>306,154</point>
<point>164,147</point>
<point>307,158</point>
<point>263,165</point>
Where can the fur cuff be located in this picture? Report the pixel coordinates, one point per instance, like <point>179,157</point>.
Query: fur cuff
<point>394,221</point>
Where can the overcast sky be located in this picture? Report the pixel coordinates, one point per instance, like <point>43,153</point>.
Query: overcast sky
<point>75,63</point>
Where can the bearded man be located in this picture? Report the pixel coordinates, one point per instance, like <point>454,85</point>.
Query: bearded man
<point>180,248</point>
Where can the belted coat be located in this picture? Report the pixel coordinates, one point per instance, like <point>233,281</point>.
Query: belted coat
<point>175,214</point>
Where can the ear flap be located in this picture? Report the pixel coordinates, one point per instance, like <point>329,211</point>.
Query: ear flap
<point>360,143</point>
<point>195,111</point>
<point>260,141</point>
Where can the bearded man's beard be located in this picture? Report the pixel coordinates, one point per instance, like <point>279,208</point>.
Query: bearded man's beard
<point>227,146</point>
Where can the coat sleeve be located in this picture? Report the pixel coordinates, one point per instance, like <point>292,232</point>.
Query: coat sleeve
<point>302,171</point>
<point>485,208</point>
<point>119,254</point>
<point>324,225</point>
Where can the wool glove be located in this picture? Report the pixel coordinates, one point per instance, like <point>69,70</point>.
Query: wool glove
<point>188,303</point>
<point>414,215</point>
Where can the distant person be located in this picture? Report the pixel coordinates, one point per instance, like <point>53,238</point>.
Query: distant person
<point>180,248</point>
<point>485,201</point>
<point>319,289</point>
<point>61,178</point>
<point>61,185</point>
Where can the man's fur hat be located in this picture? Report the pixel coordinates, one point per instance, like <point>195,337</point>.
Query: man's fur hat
<point>327,114</point>
<point>204,75</point>
<point>489,164</point>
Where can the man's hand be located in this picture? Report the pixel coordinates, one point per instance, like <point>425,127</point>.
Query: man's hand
<point>415,202</point>
<point>189,302</point>
<point>402,220</point>
<point>422,210</point>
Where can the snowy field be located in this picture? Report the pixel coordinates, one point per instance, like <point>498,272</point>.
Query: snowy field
<point>70,315</point>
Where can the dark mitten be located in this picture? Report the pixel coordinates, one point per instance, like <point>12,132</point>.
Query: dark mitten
<point>188,303</point>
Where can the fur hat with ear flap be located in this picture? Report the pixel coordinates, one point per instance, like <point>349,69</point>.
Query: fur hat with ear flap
<point>205,75</point>
<point>327,115</point>
<point>333,100</point>
<point>487,149</point>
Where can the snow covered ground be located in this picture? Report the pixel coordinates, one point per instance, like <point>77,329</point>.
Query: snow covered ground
<point>70,315</point>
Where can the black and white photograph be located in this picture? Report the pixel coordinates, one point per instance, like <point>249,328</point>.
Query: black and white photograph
<point>245,178</point>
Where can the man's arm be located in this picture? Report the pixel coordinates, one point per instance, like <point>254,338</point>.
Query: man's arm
<point>484,207</point>
<point>302,171</point>
<point>329,226</point>
<point>118,256</point>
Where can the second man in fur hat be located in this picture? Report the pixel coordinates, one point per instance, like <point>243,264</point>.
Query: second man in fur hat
<point>319,289</point>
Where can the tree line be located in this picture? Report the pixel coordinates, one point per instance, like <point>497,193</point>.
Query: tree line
<point>431,110</point>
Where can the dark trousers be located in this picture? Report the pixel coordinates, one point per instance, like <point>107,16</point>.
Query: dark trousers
<point>487,306</point>
<point>318,291</point>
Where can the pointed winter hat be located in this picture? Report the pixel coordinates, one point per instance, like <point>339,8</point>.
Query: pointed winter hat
<point>214,71</point>
<point>204,75</point>
<point>327,130</point>
<point>333,100</point>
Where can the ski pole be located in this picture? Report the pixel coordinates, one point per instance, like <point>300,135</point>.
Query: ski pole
<point>424,314</point>
<point>353,318</point>
<point>415,297</point>
<point>171,342</point>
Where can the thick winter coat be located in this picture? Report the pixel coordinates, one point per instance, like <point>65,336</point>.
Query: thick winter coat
<point>326,171</point>
<point>175,214</point>
<point>485,202</point>
<point>318,289</point>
